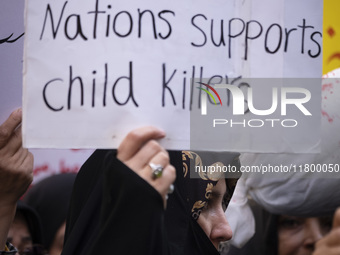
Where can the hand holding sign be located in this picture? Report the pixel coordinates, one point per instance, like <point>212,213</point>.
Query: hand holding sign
<point>16,163</point>
<point>139,149</point>
<point>16,171</point>
<point>330,244</point>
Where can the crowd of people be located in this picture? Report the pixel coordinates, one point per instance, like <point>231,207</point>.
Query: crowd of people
<point>138,199</point>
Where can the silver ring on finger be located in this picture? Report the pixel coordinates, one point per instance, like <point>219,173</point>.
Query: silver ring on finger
<point>157,170</point>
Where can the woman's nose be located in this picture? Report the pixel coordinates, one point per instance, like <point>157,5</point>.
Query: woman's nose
<point>221,230</point>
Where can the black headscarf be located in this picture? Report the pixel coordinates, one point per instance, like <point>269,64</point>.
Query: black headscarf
<point>33,221</point>
<point>114,211</point>
<point>50,198</point>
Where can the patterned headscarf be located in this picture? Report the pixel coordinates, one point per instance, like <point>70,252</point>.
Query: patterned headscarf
<point>199,187</point>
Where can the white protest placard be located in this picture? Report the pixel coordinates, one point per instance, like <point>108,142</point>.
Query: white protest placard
<point>96,69</point>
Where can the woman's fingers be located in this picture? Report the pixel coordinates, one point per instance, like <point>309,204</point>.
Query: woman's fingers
<point>330,244</point>
<point>7,129</point>
<point>16,163</point>
<point>141,152</point>
<point>136,139</point>
<point>146,154</point>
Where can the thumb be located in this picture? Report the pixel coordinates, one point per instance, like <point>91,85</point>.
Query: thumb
<point>336,219</point>
<point>7,128</point>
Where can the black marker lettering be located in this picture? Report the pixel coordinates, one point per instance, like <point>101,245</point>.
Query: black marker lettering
<point>95,12</point>
<point>49,12</point>
<point>169,25</point>
<point>287,32</point>
<point>279,41</point>
<point>221,34</point>
<point>81,86</point>
<point>318,45</point>
<point>140,15</point>
<point>165,85</point>
<point>130,22</point>
<point>79,30</point>
<point>130,80</point>
<point>204,35</point>
<point>45,97</point>
<point>248,37</point>
<point>303,26</point>
<point>230,35</point>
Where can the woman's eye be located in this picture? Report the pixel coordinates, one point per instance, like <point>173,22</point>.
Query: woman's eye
<point>224,205</point>
<point>326,223</point>
<point>205,205</point>
<point>289,222</point>
<point>225,201</point>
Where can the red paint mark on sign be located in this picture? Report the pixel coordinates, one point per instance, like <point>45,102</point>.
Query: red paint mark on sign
<point>40,169</point>
<point>68,169</point>
<point>325,114</point>
<point>327,86</point>
<point>335,55</point>
<point>330,31</point>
